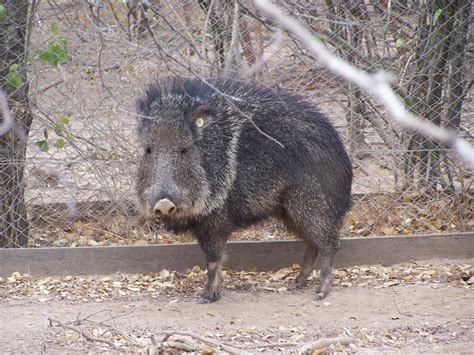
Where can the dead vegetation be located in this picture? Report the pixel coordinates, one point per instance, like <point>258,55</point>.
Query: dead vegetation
<point>382,214</point>
<point>88,288</point>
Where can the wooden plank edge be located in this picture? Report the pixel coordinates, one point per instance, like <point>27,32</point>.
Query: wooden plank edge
<point>242,255</point>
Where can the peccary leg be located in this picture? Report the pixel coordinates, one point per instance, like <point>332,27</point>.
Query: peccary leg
<point>310,254</point>
<point>214,249</point>
<point>320,230</point>
<point>326,259</point>
<point>214,281</point>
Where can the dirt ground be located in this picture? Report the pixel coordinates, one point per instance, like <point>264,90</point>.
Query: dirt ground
<point>421,308</point>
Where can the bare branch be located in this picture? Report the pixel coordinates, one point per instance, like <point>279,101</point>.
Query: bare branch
<point>81,332</point>
<point>180,340</point>
<point>307,347</point>
<point>226,347</point>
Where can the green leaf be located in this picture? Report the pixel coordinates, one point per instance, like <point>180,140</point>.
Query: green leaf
<point>62,41</point>
<point>13,80</point>
<point>57,52</point>
<point>59,127</point>
<point>64,120</point>
<point>318,40</point>
<point>54,28</point>
<point>43,145</point>
<point>3,12</point>
<point>13,68</point>
<point>400,43</point>
<point>60,143</point>
<point>437,14</point>
<point>48,57</point>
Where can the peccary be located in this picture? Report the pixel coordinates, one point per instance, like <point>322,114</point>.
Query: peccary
<point>210,167</point>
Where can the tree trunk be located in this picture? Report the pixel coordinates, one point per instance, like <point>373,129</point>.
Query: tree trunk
<point>13,50</point>
<point>456,91</point>
<point>214,10</point>
<point>438,88</point>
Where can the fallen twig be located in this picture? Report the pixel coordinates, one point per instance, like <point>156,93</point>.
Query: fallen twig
<point>181,343</point>
<point>226,347</point>
<point>180,340</point>
<point>78,320</point>
<point>400,312</point>
<point>84,334</point>
<point>307,347</point>
<point>322,343</point>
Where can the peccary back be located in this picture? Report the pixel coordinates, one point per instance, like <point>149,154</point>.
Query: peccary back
<point>223,155</point>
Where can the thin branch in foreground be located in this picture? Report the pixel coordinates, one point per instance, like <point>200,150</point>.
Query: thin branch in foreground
<point>8,123</point>
<point>377,85</point>
<point>7,120</point>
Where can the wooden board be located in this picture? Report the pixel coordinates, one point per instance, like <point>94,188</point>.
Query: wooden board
<point>241,255</point>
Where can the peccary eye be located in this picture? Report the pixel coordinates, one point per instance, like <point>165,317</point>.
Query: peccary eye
<point>148,150</point>
<point>184,151</point>
<point>199,122</point>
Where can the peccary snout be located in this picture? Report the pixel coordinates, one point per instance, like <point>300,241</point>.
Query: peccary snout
<point>164,207</point>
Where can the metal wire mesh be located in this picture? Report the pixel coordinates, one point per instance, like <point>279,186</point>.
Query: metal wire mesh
<point>73,70</point>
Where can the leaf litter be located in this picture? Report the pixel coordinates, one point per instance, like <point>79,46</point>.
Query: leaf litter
<point>84,289</point>
<point>87,288</point>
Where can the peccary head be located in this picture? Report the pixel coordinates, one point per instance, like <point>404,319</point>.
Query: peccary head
<point>188,161</point>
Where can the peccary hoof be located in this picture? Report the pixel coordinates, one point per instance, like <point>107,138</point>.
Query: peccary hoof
<point>319,296</point>
<point>300,282</point>
<point>203,300</point>
<point>208,299</point>
<point>296,284</point>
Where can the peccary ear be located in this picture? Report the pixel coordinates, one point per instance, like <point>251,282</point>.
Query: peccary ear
<point>202,115</point>
<point>143,123</point>
<point>141,118</point>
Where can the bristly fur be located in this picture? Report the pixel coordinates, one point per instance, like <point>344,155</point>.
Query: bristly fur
<point>232,176</point>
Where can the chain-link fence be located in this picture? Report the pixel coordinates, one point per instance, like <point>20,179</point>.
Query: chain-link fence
<point>72,71</point>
